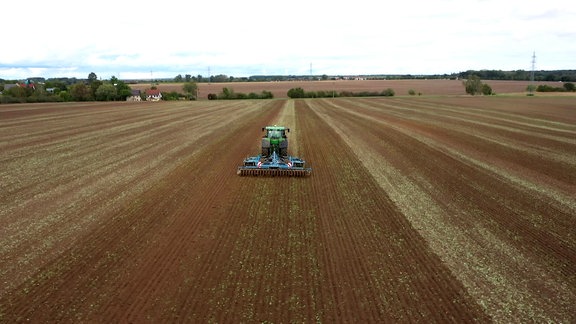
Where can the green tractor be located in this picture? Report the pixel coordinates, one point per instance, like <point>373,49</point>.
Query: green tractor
<point>274,160</point>
<point>275,141</point>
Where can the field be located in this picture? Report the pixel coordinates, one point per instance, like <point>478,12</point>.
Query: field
<point>418,209</point>
<point>400,87</point>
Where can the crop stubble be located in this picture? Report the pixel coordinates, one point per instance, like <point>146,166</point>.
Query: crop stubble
<point>417,209</point>
<point>462,193</point>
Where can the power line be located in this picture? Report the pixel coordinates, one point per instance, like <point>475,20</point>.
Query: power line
<point>532,73</point>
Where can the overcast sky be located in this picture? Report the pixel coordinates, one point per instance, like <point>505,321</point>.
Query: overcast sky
<point>144,39</point>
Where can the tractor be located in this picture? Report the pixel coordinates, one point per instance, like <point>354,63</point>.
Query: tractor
<point>274,159</point>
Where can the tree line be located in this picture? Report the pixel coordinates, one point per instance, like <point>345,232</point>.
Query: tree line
<point>513,75</point>
<point>474,85</point>
<point>57,90</point>
<point>301,93</point>
<point>72,89</point>
<point>230,94</point>
<point>521,75</point>
<point>93,89</point>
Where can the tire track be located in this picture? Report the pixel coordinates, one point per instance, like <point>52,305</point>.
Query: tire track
<point>374,262</point>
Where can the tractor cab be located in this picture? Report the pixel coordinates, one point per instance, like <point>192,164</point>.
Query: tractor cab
<point>275,132</point>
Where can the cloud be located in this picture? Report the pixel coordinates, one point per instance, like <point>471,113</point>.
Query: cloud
<point>238,38</point>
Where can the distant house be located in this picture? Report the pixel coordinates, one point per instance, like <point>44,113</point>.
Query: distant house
<point>10,86</point>
<point>134,96</point>
<point>27,84</point>
<point>153,95</point>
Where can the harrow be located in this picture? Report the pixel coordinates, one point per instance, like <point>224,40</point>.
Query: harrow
<point>274,166</point>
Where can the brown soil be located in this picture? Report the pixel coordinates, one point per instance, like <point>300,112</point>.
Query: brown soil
<point>418,209</point>
<point>400,87</point>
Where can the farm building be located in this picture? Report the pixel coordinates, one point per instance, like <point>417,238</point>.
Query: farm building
<point>153,95</point>
<point>135,96</point>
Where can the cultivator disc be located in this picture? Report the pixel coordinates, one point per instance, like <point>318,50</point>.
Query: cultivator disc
<point>274,172</point>
<point>274,166</point>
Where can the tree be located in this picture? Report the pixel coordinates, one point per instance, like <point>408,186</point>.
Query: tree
<point>296,93</point>
<point>105,92</point>
<point>569,86</point>
<point>473,85</point>
<point>172,95</point>
<point>123,90</point>
<point>486,89</point>
<point>19,92</point>
<point>191,89</point>
<point>388,92</point>
<point>64,95</point>
<point>266,95</point>
<point>93,86</point>
<point>227,93</point>
<point>80,92</point>
<point>178,78</point>
<point>548,88</point>
<point>219,78</point>
<point>92,77</point>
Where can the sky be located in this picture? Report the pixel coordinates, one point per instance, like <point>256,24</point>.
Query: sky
<point>162,39</point>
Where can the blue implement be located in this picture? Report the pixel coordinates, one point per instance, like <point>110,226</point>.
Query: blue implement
<point>274,165</point>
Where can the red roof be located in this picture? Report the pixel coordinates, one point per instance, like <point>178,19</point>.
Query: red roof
<point>27,85</point>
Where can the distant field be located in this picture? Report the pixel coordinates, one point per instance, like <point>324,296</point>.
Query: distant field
<point>401,87</point>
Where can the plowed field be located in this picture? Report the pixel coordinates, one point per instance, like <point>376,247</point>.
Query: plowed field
<point>448,209</point>
<point>400,87</point>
